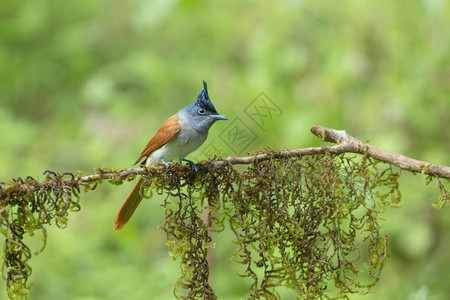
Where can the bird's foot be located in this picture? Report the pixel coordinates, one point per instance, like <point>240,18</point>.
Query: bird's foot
<point>167,164</point>
<point>192,164</point>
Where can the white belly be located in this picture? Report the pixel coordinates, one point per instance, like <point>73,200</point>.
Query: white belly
<point>182,144</point>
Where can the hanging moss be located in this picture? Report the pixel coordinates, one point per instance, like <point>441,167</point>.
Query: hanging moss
<point>303,223</point>
<point>300,221</point>
<point>27,206</point>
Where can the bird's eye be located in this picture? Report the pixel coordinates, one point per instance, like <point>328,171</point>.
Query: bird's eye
<point>201,111</point>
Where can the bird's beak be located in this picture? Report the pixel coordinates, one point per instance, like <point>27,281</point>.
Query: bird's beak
<point>218,117</point>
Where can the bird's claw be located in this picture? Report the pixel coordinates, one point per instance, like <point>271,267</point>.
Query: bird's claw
<point>167,164</point>
<point>192,164</point>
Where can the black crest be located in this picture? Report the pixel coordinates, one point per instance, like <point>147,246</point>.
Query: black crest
<point>203,99</point>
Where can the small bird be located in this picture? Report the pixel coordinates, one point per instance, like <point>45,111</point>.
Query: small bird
<point>178,136</point>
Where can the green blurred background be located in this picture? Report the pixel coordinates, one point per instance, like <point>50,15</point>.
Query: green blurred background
<point>85,84</point>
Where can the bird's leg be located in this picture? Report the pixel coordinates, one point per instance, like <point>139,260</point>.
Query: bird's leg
<point>167,164</point>
<point>192,164</point>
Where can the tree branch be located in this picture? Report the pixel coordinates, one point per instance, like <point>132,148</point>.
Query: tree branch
<point>345,143</point>
<point>356,146</point>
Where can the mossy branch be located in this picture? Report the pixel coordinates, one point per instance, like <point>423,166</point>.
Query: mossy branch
<point>345,144</point>
<point>298,216</point>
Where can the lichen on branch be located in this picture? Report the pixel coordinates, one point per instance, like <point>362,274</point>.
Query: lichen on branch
<point>305,223</point>
<point>305,219</point>
<point>26,207</point>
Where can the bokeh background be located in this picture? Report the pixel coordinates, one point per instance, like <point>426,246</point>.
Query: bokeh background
<point>86,84</point>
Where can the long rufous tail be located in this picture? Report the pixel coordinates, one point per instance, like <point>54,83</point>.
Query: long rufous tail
<point>129,206</point>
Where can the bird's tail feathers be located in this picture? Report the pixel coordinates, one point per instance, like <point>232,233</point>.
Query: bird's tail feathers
<point>129,206</point>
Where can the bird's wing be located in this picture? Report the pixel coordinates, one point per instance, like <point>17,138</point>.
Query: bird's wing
<point>165,133</point>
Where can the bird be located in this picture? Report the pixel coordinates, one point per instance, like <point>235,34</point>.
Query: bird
<point>178,136</point>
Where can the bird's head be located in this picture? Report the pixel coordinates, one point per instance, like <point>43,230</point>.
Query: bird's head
<point>201,114</point>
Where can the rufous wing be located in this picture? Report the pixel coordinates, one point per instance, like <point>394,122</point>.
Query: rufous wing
<point>165,133</point>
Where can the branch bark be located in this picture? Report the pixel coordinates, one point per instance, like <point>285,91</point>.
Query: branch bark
<point>356,146</point>
<point>345,143</point>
